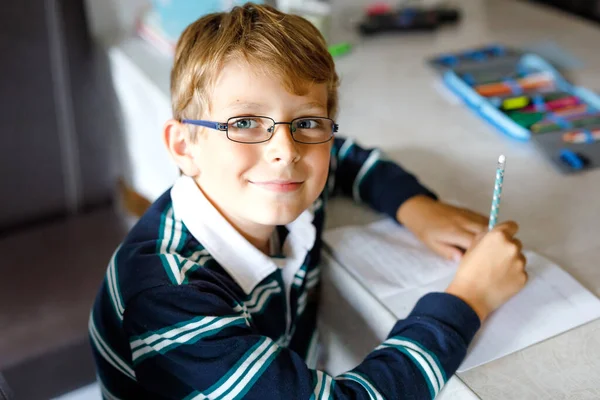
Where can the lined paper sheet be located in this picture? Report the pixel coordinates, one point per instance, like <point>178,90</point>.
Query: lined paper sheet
<point>397,269</point>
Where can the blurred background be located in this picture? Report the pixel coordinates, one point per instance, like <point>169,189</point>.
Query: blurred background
<point>84,91</point>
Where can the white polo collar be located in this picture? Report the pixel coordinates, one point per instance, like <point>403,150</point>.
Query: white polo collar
<point>243,262</point>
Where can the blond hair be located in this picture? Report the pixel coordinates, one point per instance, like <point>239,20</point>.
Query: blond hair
<point>285,45</point>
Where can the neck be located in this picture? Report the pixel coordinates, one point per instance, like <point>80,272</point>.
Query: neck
<point>257,234</point>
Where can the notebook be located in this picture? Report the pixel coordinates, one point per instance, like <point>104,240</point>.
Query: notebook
<point>397,269</point>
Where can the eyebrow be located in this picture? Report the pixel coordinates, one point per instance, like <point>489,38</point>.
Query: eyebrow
<point>242,105</point>
<point>311,106</point>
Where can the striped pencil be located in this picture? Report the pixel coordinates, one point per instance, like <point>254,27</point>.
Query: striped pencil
<point>497,192</point>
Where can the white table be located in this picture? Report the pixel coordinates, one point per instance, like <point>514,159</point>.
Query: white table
<point>388,100</point>
<point>454,152</point>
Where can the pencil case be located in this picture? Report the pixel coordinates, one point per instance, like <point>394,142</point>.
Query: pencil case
<point>526,98</point>
<point>489,109</point>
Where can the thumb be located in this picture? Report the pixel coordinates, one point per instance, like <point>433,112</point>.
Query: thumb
<point>478,238</point>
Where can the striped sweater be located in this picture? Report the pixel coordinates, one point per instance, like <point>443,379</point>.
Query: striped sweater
<point>190,310</point>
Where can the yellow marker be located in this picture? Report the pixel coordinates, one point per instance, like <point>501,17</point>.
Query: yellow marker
<point>515,103</point>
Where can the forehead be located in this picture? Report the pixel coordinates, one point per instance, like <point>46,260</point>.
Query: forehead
<point>242,85</point>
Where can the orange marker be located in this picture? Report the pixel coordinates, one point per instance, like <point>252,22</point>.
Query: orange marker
<point>531,82</point>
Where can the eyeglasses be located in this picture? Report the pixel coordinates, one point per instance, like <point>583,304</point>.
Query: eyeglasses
<point>252,130</point>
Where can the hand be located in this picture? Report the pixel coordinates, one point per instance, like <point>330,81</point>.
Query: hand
<point>443,228</point>
<point>492,271</point>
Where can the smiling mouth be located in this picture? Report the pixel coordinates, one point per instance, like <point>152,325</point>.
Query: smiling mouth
<point>279,186</point>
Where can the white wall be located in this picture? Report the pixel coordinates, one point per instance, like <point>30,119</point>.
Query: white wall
<point>112,20</point>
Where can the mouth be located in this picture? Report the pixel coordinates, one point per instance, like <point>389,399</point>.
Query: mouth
<point>279,186</point>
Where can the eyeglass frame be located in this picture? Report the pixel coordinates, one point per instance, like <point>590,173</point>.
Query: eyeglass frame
<point>224,127</point>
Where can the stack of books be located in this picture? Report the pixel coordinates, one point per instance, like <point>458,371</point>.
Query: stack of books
<point>164,21</point>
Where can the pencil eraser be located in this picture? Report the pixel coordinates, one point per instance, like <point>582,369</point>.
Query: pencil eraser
<point>502,159</point>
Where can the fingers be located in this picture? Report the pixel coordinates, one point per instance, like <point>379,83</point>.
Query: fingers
<point>523,259</point>
<point>458,237</point>
<point>518,243</point>
<point>474,226</point>
<point>522,263</point>
<point>473,222</point>
<point>509,228</point>
<point>477,239</point>
<point>447,251</point>
<point>525,277</point>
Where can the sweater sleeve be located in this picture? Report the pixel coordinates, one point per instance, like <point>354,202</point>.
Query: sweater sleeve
<point>366,176</point>
<point>189,342</point>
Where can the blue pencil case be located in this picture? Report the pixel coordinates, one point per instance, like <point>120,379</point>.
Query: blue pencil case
<point>526,98</point>
<point>489,110</point>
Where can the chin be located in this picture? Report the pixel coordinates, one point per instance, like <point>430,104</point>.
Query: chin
<point>274,216</point>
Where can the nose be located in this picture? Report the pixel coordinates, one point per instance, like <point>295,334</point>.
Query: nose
<point>282,148</point>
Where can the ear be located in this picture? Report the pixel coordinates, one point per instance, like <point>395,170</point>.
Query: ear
<point>178,142</point>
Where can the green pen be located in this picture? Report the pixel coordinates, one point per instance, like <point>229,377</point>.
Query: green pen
<point>526,119</point>
<point>339,49</point>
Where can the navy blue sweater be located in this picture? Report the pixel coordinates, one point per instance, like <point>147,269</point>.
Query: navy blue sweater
<point>173,321</point>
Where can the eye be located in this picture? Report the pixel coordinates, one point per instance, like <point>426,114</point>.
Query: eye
<point>307,124</point>
<point>245,123</point>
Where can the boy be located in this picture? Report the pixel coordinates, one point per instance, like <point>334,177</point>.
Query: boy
<point>211,295</point>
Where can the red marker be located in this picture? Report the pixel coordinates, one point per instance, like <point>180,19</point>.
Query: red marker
<point>554,104</point>
<point>378,8</point>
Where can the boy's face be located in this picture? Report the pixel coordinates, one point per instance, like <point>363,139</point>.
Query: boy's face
<point>269,183</point>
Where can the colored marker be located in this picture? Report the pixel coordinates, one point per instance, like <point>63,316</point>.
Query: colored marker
<point>534,76</point>
<point>517,102</point>
<point>379,8</point>
<point>527,119</point>
<point>572,159</point>
<point>566,123</point>
<point>582,136</point>
<point>535,81</point>
<point>554,104</point>
<point>572,112</point>
<point>339,49</point>
<point>497,191</point>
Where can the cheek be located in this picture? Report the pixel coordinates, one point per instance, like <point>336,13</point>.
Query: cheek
<point>318,162</point>
<point>225,160</point>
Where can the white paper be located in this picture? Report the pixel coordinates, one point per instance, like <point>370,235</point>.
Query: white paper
<point>397,269</point>
<point>455,389</point>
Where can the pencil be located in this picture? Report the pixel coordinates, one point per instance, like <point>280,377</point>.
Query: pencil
<point>497,192</point>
